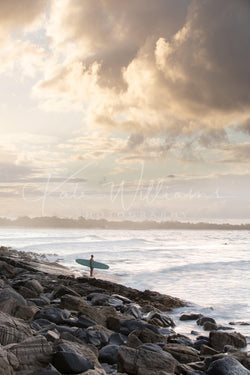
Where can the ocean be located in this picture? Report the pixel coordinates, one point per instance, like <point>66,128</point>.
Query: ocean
<point>209,269</point>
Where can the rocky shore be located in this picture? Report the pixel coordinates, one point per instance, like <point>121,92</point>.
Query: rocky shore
<point>52,323</point>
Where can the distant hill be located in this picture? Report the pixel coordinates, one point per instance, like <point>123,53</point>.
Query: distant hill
<point>57,222</point>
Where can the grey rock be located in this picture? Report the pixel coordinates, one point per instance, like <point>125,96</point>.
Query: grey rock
<point>52,314</point>
<point>219,339</point>
<point>203,319</point>
<point>108,354</point>
<point>49,370</point>
<point>71,363</point>
<point>13,330</point>
<point>117,339</point>
<point>190,316</point>
<point>127,326</point>
<point>227,366</point>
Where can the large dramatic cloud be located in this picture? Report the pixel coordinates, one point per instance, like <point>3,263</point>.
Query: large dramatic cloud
<point>151,67</point>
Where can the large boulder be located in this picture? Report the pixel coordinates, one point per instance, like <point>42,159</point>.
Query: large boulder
<point>71,363</point>
<point>143,362</point>
<point>219,339</point>
<point>147,336</point>
<point>227,366</point>
<point>32,354</point>
<point>13,330</point>
<point>183,354</point>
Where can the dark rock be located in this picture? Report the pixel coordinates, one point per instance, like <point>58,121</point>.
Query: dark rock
<point>83,322</point>
<point>61,290</point>
<point>108,354</point>
<point>227,366</point>
<point>123,299</point>
<point>98,299</point>
<point>190,316</point>
<point>25,312</point>
<point>117,339</point>
<point>201,340</point>
<point>41,302</point>
<point>182,353</point>
<point>27,293</point>
<point>127,326</point>
<point>52,314</point>
<point>180,339</point>
<point>132,310</point>
<point>203,319</point>
<point>206,350</point>
<point>113,324</point>
<point>71,363</point>
<point>165,319</point>
<point>219,339</point>
<point>97,337</point>
<point>209,326</point>
<point>143,362</point>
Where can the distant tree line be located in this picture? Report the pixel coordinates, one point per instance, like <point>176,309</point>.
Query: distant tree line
<point>81,222</point>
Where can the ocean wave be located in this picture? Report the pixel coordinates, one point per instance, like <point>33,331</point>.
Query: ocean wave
<point>206,266</point>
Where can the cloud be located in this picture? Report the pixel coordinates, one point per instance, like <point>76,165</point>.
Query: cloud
<point>20,15</point>
<point>152,69</point>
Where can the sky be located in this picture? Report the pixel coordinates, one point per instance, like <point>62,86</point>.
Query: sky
<point>133,109</point>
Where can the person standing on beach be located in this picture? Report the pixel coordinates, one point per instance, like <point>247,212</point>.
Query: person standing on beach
<point>91,265</point>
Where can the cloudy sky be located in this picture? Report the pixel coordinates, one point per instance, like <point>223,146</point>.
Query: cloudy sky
<point>133,109</point>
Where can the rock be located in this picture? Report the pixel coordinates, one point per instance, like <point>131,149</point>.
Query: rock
<point>165,319</point>
<point>190,316</point>
<point>6,364</point>
<point>127,326</point>
<point>147,336</point>
<point>115,302</point>
<point>61,290</point>
<point>71,363</point>
<point>49,370</point>
<point>88,352</point>
<point>113,324</point>
<point>98,299</point>
<point>6,269</point>
<point>34,285</point>
<point>201,340</point>
<point>207,351</point>
<point>219,339</point>
<point>92,313</point>
<point>179,339</point>
<point>122,298</point>
<point>52,314</point>
<point>117,339</point>
<point>83,322</point>
<point>52,336</point>
<point>9,292</point>
<point>227,366</point>
<point>27,293</point>
<point>98,336</point>
<point>26,312</point>
<point>143,362</point>
<point>12,330</point>
<point>108,354</point>
<point>132,310</point>
<point>182,353</point>
<point>72,303</point>
<point>203,319</point>
<point>209,326</point>
<point>32,353</point>
<point>107,312</point>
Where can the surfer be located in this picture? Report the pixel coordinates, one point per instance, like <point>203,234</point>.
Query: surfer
<point>91,265</point>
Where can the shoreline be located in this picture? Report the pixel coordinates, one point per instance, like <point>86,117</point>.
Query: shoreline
<point>102,326</point>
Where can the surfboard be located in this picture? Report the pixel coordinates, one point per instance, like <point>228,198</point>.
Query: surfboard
<point>86,262</point>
